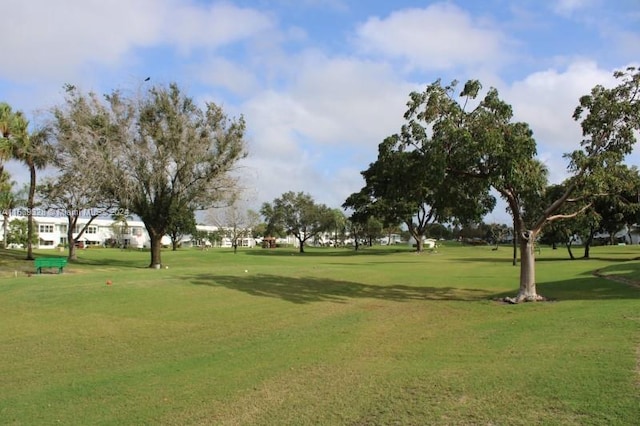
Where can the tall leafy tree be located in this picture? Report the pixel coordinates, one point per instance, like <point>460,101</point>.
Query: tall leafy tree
<point>19,234</point>
<point>298,215</point>
<point>82,133</point>
<point>373,229</point>
<point>409,184</point>
<point>618,210</point>
<point>181,222</point>
<point>485,144</point>
<point>176,156</point>
<point>361,208</point>
<point>158,153</point>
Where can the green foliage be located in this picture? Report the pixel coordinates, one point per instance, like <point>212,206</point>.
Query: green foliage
<point>409,183</point>
<point>157,155</point>
<point>297,214</point>
<point>182,221</point>
<point>484,148</point>
<point>475,149</point>
<point>10,125</point>
<point>19,233</point>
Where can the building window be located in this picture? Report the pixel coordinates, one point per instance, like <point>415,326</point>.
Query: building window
<point>64,228</point>
<point>91,230</point>
<point>42,229</point>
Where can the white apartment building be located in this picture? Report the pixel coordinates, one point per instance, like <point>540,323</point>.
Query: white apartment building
<point>52,232</point>
<point>104,232</point>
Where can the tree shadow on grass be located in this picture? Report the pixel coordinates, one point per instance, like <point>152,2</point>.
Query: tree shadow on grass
<point>110,262</point>
<point>326,252</point>
<point>542,259</point>
<point>16,260</point>
<point>582,288</point>
<point>312,289</point>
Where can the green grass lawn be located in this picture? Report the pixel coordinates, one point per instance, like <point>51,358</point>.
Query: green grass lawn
<point>271,337</point>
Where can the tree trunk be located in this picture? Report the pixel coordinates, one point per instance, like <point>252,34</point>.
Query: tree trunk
<point>174,244</point>
<point>5,230</point>
<point>416,236</point>
<point>527,291</point>
<point>587,244</point>
<point>30,206</point>
<point>156,248</point>
<point>515,248</point>
<point>571,256</point>
<point>71,241</point>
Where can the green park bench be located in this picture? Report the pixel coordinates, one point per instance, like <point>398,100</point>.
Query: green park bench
<point>50,262</point>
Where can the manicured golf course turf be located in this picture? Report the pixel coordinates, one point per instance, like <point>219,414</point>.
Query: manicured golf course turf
<point>272,337</point>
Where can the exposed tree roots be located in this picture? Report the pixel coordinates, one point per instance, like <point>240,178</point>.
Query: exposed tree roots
<point>520,298</point>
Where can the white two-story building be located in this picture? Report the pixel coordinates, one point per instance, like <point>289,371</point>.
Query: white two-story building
<point>105,232</point>
<point>52,232</point>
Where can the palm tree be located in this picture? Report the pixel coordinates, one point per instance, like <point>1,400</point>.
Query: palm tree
<point>7,122</point>
<point>33,150</point>
<point>9,200</point>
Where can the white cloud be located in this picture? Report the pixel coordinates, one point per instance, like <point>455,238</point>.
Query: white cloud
<point>546,100</point>
<point>221,72</point>
<point>219,24</point>
<point>440,36</point>
<point>567,7</point>
<point>335,100</point>
<point>320,131</point>
<point>348,100</point>
<point>54,39</point>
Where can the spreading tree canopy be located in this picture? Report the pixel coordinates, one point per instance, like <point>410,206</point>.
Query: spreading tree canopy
<point>483,143</point>
<point>158,154</point>
<point>297,214</point>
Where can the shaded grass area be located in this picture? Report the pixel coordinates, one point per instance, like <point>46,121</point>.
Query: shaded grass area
<point>382,337</point>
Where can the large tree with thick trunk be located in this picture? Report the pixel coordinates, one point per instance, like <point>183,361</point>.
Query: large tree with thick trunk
<point>483,143</point>
<point>173,155</point>
<point>158,153</point>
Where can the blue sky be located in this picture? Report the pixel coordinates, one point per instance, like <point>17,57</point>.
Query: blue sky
<point>322,82</point>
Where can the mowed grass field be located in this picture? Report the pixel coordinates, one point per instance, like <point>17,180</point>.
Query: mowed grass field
<point>331,337</point>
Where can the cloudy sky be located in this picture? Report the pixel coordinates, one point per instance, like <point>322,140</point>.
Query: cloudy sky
<point>322,82</point>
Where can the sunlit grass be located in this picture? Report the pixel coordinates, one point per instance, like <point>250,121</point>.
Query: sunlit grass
<point>268,337</point>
